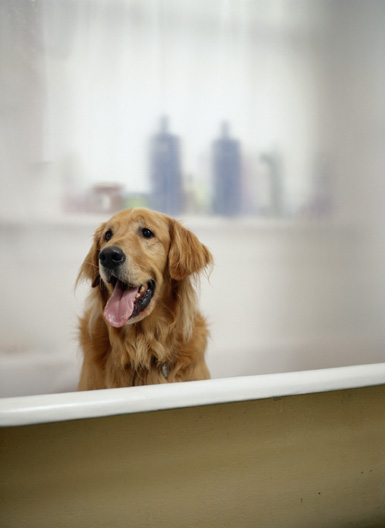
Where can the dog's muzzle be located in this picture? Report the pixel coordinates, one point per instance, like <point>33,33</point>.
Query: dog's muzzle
<point>127,300</point>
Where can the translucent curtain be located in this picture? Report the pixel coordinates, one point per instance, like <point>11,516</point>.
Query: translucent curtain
<point>271,113</point>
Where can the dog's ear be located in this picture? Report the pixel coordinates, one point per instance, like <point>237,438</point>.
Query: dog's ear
<point>187,254</point>
<point>90,267</point>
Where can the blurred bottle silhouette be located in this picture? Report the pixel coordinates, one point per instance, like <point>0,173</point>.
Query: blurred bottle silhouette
<point>165,167</point>
<point>273,162</point>
<point>226,154</point>
<point>321,202</point>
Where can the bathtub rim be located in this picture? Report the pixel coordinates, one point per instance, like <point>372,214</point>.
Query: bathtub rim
<point>49,408</point>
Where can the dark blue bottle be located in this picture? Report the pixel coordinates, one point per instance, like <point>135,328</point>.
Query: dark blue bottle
<point>165,171</point>
<point>227,198</point>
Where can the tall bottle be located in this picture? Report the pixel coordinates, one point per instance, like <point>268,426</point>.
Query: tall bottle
<point>227,174</point>
<point>165,171</point>
<point>273,162</point>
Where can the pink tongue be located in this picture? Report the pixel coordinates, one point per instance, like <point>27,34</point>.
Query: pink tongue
<point>120,305</point>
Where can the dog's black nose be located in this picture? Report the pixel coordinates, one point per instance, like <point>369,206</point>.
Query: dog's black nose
<point>111,257</point>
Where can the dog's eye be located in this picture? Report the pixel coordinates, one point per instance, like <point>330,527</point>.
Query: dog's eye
<point>108,235</point>
<point>147,233</point>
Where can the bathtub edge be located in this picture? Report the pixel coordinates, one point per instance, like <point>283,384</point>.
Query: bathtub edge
<point>28,410</point>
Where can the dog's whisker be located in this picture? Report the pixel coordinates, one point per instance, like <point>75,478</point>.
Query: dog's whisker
<point>91,264</point>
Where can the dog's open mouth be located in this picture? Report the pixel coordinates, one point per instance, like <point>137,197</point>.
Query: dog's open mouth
<point>127,301</point>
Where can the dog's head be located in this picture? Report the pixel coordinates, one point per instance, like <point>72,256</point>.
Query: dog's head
<point>134,256</point>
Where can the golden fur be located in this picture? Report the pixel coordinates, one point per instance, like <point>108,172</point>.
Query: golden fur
<point>166,342</point>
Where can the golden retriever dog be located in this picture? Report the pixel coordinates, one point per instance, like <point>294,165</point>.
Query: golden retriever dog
<point>141,324</point>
